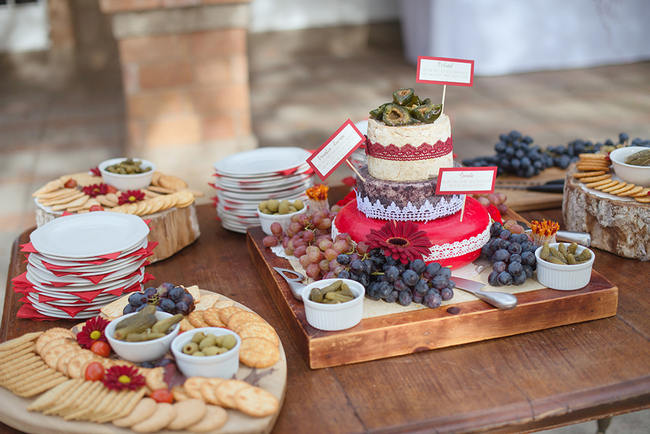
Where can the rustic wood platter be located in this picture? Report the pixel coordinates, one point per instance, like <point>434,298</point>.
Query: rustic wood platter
<point>13,410</point>
<point>173,229</point>
<point>465,319</point>
<point>524,200</point>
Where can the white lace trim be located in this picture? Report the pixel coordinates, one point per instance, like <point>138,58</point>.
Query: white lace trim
<point>425,213</point>
<point>459,248</point>
<point>448,250</point>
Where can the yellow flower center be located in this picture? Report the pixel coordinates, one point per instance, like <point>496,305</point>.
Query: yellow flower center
<point>132,199</point>
<point>95,334</point>
<point>124,379</point>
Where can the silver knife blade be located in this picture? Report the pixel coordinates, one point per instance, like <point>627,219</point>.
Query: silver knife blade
<point>472,285</point>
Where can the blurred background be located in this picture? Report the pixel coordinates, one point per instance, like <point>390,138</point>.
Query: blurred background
<point>186,82</point>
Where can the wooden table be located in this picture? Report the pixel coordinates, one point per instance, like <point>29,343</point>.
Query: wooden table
<point>527,382</point>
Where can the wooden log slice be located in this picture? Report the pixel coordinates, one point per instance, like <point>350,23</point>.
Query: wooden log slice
<point>173,229</point>
<point>616,224</point>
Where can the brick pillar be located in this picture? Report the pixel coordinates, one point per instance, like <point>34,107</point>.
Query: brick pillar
<point>185,79</point>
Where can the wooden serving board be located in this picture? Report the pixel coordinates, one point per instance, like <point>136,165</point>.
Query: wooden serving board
<point>524,200</point>
<point>410,331</point>
<point>13,410</point>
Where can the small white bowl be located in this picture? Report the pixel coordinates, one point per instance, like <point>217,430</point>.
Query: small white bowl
<point>639,175</point>
<point>266,220</point>
<point>221,365</point>
<point>141,351</point>
<point>331,317</point>
<point>564,277</point>
<point>127,182</point>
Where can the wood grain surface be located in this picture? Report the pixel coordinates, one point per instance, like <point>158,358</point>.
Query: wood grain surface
<point>524,200</point>
<point>525,382</point>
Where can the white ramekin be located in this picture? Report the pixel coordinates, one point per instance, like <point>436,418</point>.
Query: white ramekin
<point>221,365</point>
<point>266,220</point>
<point>564,277</point>
<point>639,175</point>
<point>127,182</point>
<point>141,351</point>
<point>331,317</point>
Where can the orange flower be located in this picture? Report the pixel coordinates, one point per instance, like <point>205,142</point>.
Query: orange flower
<point>318,192</point>
<point>545,228</point>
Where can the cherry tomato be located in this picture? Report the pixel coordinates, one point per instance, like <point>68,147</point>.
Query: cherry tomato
<point>96,208</point>
<point>101,348</point>
<point>162,395</point>
<point>95,371</point>
<point>70,183</point>
<point>111,189</point>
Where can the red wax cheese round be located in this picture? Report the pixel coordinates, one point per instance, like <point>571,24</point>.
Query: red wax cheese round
<point>455,243</point>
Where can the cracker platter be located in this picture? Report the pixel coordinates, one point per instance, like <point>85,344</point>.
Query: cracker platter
<point>44,388</point>
<point>388,329</point>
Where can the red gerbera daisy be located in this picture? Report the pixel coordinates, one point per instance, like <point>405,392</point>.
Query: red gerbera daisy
<point>95,190</point>
<point>95,171</point>
<point>123,377</point>
<point>401,240</point>
<point>131,196</point>
<point>92,332</point>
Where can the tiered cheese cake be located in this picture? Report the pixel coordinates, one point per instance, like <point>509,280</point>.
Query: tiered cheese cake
<point>408,141</point>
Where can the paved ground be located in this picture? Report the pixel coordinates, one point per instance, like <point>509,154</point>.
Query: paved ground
<point>304,85</point>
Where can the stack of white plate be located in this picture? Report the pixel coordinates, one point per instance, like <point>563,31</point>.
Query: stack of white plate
<point>81,262</point>
<point>244,180</point>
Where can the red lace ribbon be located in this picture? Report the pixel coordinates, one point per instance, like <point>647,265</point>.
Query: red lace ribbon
<point>409,152</point>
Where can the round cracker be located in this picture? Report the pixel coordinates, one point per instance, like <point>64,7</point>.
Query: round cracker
<point>54,343</point>
<point>258,330</point>
<point>606,185</point>
<point>256,402</point>
<point>193,385</point>
<point>241,318</point>
<point>180,394</point>
<point>188,413</point>
<point>160,418</point>
<point>226,312</point>
<point>196,319</point>
<point>596,178</point>
<point>227,390</point>
<point>77,366</point>
<point>623,189</point>
<point>632,192</point>
<point>209,390</point>
<point>579,175</point>
<point>258,353</point>
<point>211,317</point>
<point>645,199</point>
<point>142,411</point>
<point>597,183</point>
<point>615,187</point>
<point>215,417</point>
<point>52,356</point>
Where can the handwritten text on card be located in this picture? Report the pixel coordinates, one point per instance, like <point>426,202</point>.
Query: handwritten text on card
<point>464,180</point>
<point>442,70</point>
<point>336,149</point>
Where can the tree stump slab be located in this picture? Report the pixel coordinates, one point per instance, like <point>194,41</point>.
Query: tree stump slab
<point>617,224</point>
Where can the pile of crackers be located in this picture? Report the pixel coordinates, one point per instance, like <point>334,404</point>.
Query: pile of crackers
<point>259,340</point>
<point>594,172</point>
<point>165,192</point>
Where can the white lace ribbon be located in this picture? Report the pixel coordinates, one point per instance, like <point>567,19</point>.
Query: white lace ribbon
<point>448,250</point>
<point>448,205</point>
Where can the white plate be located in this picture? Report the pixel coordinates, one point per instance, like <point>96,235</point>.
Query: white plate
<point>58,260</point>
<point>90,270</point>
<point>265,192</point>
<point>69,291</point>
<point>266,185</point>
<point>262,161</point>
<point>286,194</point>
<point>72,280</point>
<point>127,268</point>
<point>89,235</point>
<point>33,298</point>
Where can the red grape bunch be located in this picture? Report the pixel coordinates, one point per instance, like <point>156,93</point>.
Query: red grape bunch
<point>309,239</point>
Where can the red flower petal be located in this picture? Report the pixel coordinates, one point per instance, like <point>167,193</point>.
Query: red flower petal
<point>123,378</point>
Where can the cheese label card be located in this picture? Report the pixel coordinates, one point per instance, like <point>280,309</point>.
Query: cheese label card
<point>442,70</point>
<point>336,149</point>
<point>465,180</point>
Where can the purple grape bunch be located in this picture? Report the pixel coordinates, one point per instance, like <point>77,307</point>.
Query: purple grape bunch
<point>512,257</point>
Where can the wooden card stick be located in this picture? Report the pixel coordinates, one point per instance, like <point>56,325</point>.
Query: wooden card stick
<point>462,210</point>
<point>354,169</point>
<point>444,91</point>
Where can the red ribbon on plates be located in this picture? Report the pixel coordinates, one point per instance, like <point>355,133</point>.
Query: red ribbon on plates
<point>27,311</point>
<point>88,296</point>
<point>21,280</point>
<point>70,310</point>
<point>28,248</point>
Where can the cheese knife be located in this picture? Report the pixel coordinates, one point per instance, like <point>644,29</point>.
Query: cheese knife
<point>502,300</point>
